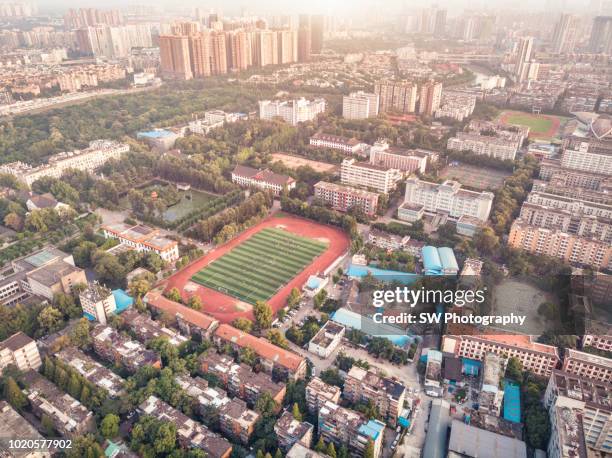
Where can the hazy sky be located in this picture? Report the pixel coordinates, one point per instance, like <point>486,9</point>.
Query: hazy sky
<point>231,7</point>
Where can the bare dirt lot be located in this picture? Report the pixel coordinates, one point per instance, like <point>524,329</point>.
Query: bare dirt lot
<point>293,162</point>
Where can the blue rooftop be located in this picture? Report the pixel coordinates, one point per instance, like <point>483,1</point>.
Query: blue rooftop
<point>353,320</point>
<point>123,300</point>
<point>406,278</point>
<point>313,282</point>
<point>512,402</point>
<point>439,261</point>
<point>372,429</point>
<point>160,133</point>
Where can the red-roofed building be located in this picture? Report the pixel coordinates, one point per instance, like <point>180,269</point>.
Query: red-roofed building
<point>188,320</point>
<point>272,356</point>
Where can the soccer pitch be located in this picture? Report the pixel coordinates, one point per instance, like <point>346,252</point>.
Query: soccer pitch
<point>257,268</point>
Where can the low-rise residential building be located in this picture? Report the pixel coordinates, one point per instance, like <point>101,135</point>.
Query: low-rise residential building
<point>592,398</point>
<point>491,395</point>
<point>92,371</point>
<point>490,139</point>
<point>190,433</point>
<point>291,111</point>
<point>387,241</point>
<point>89,159</point>
<point>290,431</point>
<point>70,418</point>
<point>404,160</point>
<point>46,200</point>
<point>147,329</point>
<point>43,273</point>
<point>191,322</point>
<point>21,351</point>
<point>235,419</point>
<point>386,394</point>
<point>433,374</point>
<point>239,379</point>
<point>360,105</point>
<point>265,179</point>
<point>318,392</point>
<point>238,421</point>
<point>447,198</point>
<point>337,142</point>
<point>370,176</point>
<point>14,426</point>
<point>349,428</point>
<point>456,105</point>
<point>601,342</point>
<point>272,357</point>
<point>536,357</point>
<point>143,239</point>
<point>327,339</point>
<point>343,198</point>
<point>98,302</point>
<point>587,365</point>
<point>116,348</point>
<point>299,451</point>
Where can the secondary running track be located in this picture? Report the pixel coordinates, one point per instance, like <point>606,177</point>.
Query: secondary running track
<point>226,308</point>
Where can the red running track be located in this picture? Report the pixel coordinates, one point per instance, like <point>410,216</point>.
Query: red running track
<point>226,308</point>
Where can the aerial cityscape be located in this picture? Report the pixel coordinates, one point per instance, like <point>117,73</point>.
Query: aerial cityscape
<point>373,229</point>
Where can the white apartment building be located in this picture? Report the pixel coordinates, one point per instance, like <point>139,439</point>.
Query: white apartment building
<point>499,148</point>
<point>21,351</point>
<point>337,142</point>
<point>539,358</point>
<point>405,160</point>
<point>456,105</point>
<point>262,179</point>
<point>364,174</point>
<point>98,302</point>
<point>89,159</point>
<point>360,105</point>
<point>291,111</point>
<point>325,342</point>
<point>448,197</point>
<point>592,398</point>
<point>588,161</point>
<point>343,198</point>
<point>588,365</point>
<point>143,239</point>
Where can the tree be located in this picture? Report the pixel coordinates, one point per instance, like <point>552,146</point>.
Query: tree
<point>514,369</point>
<point>85,446</point>
<point>244,324</point>
<point>263,314</point>
<point>266,405</point>
<point>294,297</point>
<point>79,335</point>
<point>110,426</point>
<point>277,338</point>
<point>548,310</point>
<point>486,241</point>
<point>139,287</point>
<point>195,302</point>
<point>296,412</point>
<point>50,320</point>
<point>174,295</point>
<point>14,395</point>
<point>47,424</point>
<point>369,451</point>
<point>248,356</point>
<point>320,446</point>
<point>14,221</point>
<point>67,305</point>
<point>319,298</point>
<point>331,450</point>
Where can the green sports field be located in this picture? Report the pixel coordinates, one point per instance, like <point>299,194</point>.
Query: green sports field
<point>536,124</point>
<point>257,268</point>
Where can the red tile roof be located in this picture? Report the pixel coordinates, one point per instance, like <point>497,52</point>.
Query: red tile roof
<point>262,347</point>
<point>199,319</point>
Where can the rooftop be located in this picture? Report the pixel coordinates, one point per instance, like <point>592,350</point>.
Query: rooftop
<point>157,300</point>
<point>347,189</point>
<point>593,392</point>
<point>265,175</point>
<point>589,358</point>
<point>467,440</point>
<point>16,342</point>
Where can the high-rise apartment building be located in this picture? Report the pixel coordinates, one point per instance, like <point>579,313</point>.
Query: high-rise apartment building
<point>360,105</point>
<point>287,46</point>
<point>399,96</point>
<point>218,53</point>
<point>199,54</point>
<point>430,98</point>
<point>240,56</point>
<point>304,44</point>
<point>317,24</point>
<point>523,58</point>
<point>267,48</point>
<point>174,57</point>
<point>440,23</point>
<point>565,34</point>
<point>601,35</point>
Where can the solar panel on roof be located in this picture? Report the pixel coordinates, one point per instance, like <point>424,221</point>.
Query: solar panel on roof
<point>40,259</point>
